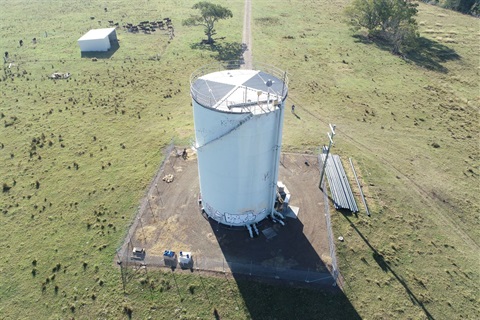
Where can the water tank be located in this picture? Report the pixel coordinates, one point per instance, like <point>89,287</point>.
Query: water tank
<point>238,117</point>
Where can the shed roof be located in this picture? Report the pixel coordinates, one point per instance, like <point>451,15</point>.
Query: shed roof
<point>96,34</point>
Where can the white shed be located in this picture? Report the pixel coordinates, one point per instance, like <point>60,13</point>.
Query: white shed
<point>97,40</point>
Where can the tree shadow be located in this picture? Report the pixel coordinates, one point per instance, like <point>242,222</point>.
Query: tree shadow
<point>385,266</point>
<point>225,50</point>
<point>369,40</point>
<point>114,46</point>
<point>429,54</point>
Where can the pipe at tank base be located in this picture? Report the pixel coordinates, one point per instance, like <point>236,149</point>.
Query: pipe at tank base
<point>278,214</point>
<point>255,229</point>
<point>250,230</point>
<point>278,221</point>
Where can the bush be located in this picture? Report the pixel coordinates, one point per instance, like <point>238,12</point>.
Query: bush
<point>6,187</point>
<point>391,20</point>
<point>128,311</point>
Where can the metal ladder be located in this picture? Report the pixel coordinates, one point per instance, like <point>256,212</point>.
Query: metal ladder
<point>240,123</point>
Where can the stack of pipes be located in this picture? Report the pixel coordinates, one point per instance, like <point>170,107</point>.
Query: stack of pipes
<point>342,195</point>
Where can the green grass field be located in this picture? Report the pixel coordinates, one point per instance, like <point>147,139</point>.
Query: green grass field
<point>76,156</point>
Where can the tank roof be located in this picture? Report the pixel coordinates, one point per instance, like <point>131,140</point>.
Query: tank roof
<point>239,91</point>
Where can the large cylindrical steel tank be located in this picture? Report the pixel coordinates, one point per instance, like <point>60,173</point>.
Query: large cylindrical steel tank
<point>238,117</point>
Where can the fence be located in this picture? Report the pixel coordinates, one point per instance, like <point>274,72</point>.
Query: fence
<point>123,251</point>
<point>130,263</point>
<point>331,243</point>
<point>320,277</point>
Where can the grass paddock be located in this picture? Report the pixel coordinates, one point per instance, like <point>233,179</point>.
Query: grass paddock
<point>76,156</point>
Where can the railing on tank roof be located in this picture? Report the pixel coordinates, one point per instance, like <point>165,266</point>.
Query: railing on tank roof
<point>210,101</point>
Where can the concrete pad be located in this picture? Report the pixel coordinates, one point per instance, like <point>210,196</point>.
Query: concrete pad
<point>170,218</point>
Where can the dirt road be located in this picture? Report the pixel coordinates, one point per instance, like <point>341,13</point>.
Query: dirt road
<point>247,35</point>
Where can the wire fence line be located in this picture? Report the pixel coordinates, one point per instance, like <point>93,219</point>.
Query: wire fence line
<point>122,250</point>
<point>331,243</point>
<point>320,276</point>
<point>131,263</point>
<point>17,59</point>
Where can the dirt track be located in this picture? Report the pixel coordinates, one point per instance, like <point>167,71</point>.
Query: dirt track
<point>247,35</point>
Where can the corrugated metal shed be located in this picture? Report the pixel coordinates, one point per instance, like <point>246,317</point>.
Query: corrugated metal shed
<point>97,40</point>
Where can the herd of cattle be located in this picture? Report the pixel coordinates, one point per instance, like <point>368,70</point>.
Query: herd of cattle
<point>146,26</point>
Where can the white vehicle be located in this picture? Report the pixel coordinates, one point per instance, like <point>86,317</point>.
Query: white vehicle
<point>138,251</point>
<point>185,259</point>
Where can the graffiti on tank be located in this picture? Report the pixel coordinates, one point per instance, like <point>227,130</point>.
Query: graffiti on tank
<point>212,212</point>
<point>234,219</point>
<point>266,176</point>
<point>228,122</point>
<point>208,207</point>
<point>261,213</point>
<point>244,218</point>
<point>218,215</point>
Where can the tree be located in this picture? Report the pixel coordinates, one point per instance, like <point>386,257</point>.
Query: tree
<point>209,14</point>
<point>392,20</point>
<point>464,6</point>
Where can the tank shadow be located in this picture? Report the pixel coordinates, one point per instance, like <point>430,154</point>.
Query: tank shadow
<point>284,272</point>
<point>278,269</point>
